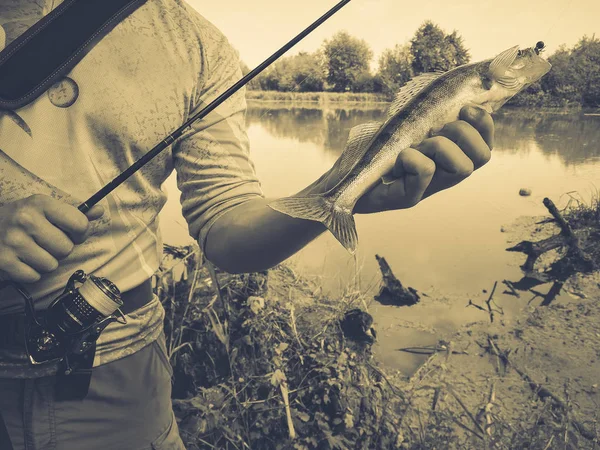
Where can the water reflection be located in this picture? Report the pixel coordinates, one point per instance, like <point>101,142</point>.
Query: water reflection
<point>575,137</point>
<point>326,127</point>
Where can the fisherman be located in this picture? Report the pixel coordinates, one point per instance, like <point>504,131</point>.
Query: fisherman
<point>141,81</point>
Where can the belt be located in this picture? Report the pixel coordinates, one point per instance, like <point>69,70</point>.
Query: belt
<point>12,326</point>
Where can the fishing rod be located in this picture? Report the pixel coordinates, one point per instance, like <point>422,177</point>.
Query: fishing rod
<point>171,138</point>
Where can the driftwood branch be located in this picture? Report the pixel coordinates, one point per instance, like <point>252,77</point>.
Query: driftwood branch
<point>534,250</point>
<point>566,238</point>
<point>490,309</point>
<point>393,292</point>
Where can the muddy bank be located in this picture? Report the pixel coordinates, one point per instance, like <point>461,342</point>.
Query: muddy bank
<point>532,383</point>
<point>530,380</point>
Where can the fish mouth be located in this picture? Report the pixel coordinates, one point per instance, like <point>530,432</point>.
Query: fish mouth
<point>531,62</point>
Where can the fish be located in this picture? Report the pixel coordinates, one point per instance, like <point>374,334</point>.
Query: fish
<point>420,109</point>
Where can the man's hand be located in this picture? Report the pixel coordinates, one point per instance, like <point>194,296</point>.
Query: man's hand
<point>437,163</point>
<point>37,232</point>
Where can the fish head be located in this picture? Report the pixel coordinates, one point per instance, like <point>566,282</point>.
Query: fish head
<point>510,72</point>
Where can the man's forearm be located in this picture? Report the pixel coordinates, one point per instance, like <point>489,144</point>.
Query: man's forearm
<point>254,237</point>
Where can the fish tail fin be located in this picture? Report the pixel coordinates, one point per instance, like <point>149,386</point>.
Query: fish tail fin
<point>322,208</point>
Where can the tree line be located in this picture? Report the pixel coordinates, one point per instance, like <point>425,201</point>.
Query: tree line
<point>342,64</point>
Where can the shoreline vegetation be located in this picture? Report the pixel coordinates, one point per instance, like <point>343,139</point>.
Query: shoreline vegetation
<point>344,64</point>
<point>316,97</point>
<point>311,99</point>
<point>265,361</point>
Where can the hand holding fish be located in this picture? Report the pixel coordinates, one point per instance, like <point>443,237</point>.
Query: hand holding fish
<point>437,163</point>
<point>435,133</point>
<point>420,148</point>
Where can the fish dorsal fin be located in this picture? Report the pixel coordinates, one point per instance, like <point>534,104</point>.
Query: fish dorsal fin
<point>502,62</point>
<point>358,141</point>
<point>410,90</point>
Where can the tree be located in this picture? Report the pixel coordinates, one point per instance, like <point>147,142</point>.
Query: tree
<point>575,74</point>
<point>302,73</point>
<point>346,58</point>
<point>457,54</point>
<point>561,81</point>
<point>585,60</point>
<point>365,82</point>
<point>307,72</point>
<point>252,85</point>
<point>432,49</point>
<point>395,68</point>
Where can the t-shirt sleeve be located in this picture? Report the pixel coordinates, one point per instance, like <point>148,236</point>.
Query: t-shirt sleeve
<point>214,170</point>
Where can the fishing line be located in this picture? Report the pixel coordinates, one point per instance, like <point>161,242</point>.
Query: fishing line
<point>560,16</point>
<point>171,138</point>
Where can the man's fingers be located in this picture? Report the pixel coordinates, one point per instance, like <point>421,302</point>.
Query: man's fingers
<point>95,213</point>
<point>418,172</point>
<point>469,141</point>
<point>19,272</point>
<point>68,218</point>
<point>481,120</point>
<point>53,240</point>
<point>448,156</point>
<point>414,172</point>
<point>32,254</point>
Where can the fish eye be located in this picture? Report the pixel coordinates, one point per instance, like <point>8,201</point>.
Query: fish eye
<point>519,53</point>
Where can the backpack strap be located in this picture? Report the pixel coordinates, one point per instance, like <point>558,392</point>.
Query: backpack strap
<point>54,45</point>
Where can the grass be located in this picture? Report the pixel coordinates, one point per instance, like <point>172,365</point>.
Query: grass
<point>263,363</point>
<point>315,97</point>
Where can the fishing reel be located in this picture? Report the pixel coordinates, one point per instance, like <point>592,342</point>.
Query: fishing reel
<point>73,321</point>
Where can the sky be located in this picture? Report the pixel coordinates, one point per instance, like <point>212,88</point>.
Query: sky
<point>257,28</point>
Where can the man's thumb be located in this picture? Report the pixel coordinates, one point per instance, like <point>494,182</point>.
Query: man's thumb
<point>96,212</point>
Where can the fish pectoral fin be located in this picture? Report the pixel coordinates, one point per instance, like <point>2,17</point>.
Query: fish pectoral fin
<point>388,179</point>
<point>502,62</point>
<point>320,208</point>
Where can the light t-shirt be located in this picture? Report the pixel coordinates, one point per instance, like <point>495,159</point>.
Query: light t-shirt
<point>154,70</point>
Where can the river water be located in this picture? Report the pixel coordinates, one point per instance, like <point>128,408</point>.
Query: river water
<point>449,247</point>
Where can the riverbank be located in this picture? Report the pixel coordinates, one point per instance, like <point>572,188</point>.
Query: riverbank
<point>532,384</point>
<point>529,382</point>
<point>258,96</point>
<point>271,363</point>
<point>315,97</point>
